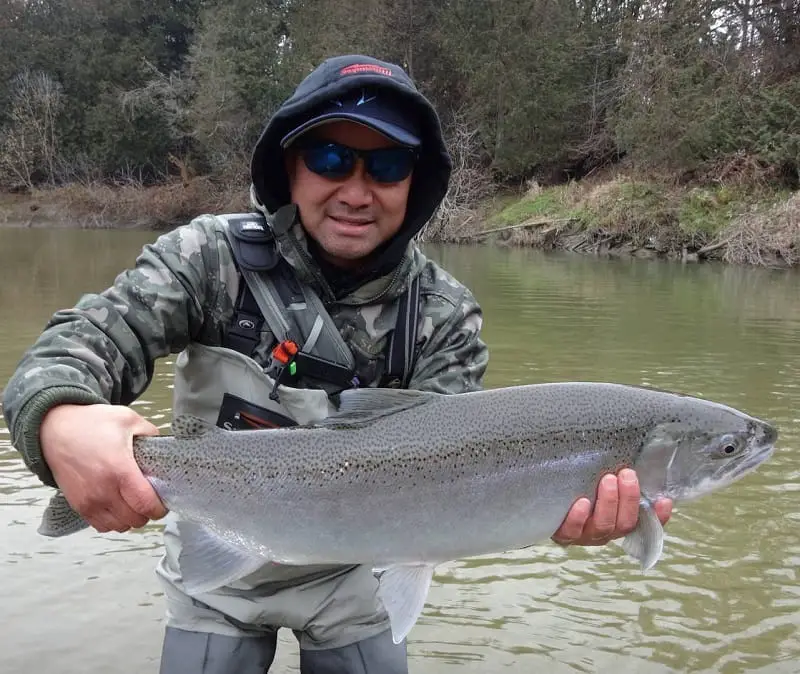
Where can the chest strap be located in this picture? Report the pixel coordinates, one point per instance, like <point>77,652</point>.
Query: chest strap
<point>401,353</point>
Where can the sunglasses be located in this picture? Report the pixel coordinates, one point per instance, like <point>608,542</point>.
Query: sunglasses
<point>337,161</point>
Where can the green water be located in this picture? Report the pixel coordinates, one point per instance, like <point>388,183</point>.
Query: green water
<point>723,599</point>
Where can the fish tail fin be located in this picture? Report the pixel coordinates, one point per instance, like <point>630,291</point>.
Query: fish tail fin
<point>60,518</point>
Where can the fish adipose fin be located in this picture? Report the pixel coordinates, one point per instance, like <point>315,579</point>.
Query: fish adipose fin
<point>207,562</point>
<point>646,541</point>
<point>403,590</point>
<point>60,518</point>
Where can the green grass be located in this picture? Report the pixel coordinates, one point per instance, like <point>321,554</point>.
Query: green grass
<point>641,210</point>
<point>629,205</point>
<point>708,210</point>
<point>549,203</point>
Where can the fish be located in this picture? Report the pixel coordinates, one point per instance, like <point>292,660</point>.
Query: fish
<point>405,480</point>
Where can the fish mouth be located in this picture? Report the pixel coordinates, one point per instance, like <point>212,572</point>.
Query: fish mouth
<point>753,460</point>
<point>764,452</point>
<point>762,446</point>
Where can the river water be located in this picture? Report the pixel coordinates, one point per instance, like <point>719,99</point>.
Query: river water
<point>723,599</point>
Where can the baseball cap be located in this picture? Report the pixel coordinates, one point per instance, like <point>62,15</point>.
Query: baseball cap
<point>370,107</point>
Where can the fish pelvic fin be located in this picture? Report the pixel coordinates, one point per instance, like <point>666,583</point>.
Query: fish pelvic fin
<point>188,426</point>
<point>646,541</point>
<point>207,562</point>
<point>403,589</point>
<point>60,518</point>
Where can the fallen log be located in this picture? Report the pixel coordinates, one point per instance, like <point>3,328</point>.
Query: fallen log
<point>527,223</point>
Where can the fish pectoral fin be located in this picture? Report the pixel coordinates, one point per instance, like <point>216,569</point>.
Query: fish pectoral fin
<point>646,541</point>
<point>364,405</point>
<point>403,589</point>
<point>207,562</point>
<point>60,518</point>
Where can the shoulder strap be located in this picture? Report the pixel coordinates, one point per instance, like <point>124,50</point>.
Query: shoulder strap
<point>401,354</point>
<point>253,248</point>
<point>245,327</point>
<point>251,240</point>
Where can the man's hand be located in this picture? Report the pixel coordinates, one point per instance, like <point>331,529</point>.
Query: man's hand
<point>89,449</point>
<point>615,514</point>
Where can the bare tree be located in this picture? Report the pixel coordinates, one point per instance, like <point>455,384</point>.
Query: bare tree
<point>470,183</point>
<point>28,143</point>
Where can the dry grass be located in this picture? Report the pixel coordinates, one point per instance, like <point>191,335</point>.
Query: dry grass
<point>97,205</point>
<point>766,236</point>
<point>158,206</point>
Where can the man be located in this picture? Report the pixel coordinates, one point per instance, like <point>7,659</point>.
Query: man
<point>273,313</point>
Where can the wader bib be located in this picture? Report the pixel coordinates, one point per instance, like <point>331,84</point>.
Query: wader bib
<point>333,610</point>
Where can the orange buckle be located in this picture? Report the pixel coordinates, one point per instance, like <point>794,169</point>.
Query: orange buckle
<point>284,351</point>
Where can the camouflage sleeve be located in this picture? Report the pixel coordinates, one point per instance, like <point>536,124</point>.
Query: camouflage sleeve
<point>104,348</point>
<point>453,358</point>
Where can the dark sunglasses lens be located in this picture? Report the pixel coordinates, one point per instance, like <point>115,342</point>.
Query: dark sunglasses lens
<point>390,165</point>
<point>329,160</point>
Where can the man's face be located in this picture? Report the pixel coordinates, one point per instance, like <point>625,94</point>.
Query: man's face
<point>348,217</point>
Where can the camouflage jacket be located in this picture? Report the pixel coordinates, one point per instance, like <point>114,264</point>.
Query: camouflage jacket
<point>183,288</point>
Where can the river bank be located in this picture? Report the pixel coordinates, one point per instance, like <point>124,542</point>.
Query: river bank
<point>740,223</point>
<point>735,221</point>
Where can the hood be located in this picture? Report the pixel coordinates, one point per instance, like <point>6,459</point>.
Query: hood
<point>334,78</point>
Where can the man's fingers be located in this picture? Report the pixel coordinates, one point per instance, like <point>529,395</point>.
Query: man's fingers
<point>663,508</point>
<point>141,426</point>
<point>604,518</point>
<point>628,509</point>
<point>572,527</point>
<point>103,520</point>
<point>136,491</point>
<point>125,517</point>
<point>139,495</point>
<point>615,513</point>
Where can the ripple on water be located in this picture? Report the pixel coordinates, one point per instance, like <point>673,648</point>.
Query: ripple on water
<point>724,598</point>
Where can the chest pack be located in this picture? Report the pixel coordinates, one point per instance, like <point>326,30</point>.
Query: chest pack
<point>308,350</point>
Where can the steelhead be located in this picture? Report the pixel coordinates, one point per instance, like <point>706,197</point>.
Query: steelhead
<point>404,480</point>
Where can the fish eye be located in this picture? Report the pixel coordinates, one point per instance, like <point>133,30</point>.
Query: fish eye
<point>728,446</point>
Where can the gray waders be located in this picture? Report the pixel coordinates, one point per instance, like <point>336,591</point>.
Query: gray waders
<point>334,612</point>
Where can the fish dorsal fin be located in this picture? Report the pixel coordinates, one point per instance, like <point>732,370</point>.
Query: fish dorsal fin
<point>364,405</point>
<point>188,426</point>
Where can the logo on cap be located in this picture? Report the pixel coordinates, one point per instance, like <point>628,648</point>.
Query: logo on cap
<point>357,68</point>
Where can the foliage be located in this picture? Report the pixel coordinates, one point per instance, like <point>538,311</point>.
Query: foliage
<point>550,90</point>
